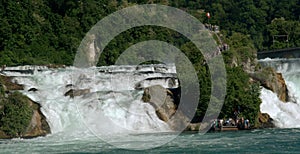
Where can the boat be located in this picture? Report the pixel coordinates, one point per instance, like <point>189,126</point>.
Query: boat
<point>226,128</point>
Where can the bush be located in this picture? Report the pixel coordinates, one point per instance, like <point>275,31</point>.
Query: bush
<point>15,115</point>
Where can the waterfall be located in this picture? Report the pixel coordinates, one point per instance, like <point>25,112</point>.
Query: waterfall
<point>285,115</point>
<point>111,102</point>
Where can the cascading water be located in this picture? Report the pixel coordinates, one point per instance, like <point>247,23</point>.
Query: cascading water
<point>285,115</point>
<point>110,103</point>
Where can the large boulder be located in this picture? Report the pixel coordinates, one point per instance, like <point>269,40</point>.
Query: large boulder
<point>38,125</point>
<point>162,100</point>
<point>273,81</point>
<point>265,121</point>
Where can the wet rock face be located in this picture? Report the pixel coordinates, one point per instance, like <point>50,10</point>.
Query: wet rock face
<point>33,89</point>
<point>158,97</point>
<point>280,87</point>
<point>38,125</point>
<point>163,101</point>
<point>77,92</point>
<point>265,121</point>
<point>273,81</point>
<point>10,84</point>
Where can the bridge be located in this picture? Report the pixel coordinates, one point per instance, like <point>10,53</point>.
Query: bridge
<point>280,53</point>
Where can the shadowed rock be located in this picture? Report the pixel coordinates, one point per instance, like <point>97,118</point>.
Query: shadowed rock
<point>33,89</point>
<point>69,85</point>
<point>265,121</point>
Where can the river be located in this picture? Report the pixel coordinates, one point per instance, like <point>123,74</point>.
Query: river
<point>134,124</point>
<point>253,141</point>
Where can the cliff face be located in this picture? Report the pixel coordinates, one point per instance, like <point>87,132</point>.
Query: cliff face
<point>273,81</point>
<point>163,100</point>
<point>38,125</point>
<point>266,77</point>
<point>19,116</point>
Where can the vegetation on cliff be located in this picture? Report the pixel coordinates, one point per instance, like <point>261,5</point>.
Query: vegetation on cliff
<point>18,114</point>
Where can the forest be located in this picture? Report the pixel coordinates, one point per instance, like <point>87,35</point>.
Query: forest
<point>42,32</point>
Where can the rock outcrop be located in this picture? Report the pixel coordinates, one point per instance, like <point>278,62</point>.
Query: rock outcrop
<point>193,127</point>
<point>37,126</point>
<point>10,84</point>
<point>33,89</point>
<point>88,52</point>
<point>273,81</point>
<point>265,121</point>
<point>162,100</point>
<point>77,92</point>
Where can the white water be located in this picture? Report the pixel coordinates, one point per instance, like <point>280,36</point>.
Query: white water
<point>285,115</point>
<point>112,107</point>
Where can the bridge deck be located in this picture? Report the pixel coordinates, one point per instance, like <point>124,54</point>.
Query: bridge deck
<point>280,53</point>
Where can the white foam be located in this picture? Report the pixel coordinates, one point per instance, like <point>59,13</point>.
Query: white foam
<point>286,115</point>
<point>113,105</point>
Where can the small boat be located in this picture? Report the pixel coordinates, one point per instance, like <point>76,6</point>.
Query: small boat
<point>230,125</point>
<point>226,128</point>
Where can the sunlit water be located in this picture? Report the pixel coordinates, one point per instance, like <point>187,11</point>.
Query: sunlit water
<point>254,141</point>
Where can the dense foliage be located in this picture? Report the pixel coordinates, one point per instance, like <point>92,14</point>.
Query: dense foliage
<point>49,31</point>
<point>15,114</point>
<point>258,18</point>
<point>43,32</point>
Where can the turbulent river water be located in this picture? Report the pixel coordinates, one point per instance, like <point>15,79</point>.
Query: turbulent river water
<point>285,115</point>
<point>111,118</point>
<point>255,141</point>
